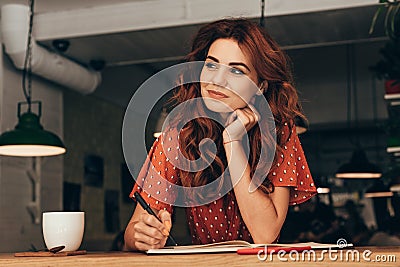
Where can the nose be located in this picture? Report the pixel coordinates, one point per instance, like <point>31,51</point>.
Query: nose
<point>219,77</point>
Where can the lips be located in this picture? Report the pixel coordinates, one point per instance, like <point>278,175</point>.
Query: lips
<point>216,94</point>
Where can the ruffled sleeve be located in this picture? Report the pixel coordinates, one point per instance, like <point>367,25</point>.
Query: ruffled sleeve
<point>157,175</point>
<point>292,169</point>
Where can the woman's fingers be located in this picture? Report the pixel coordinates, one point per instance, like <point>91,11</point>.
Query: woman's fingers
<point>145,246</point>
<point>165,217</point>
<point>255,113</point>
<point>146,236</point>
<point>152,221</point>
<point>244,120</point>
<point>149,232</point>
<point>252,113</point>
<point>141,246</point>
<point>248,117</point>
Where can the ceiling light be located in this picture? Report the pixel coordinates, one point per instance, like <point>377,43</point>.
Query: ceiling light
<point>359,167</point>
<point>323,190</point>
<point>378,194</point>
<point>378,189</point>
<point>301,125</point>
<point>160,122</point>
<point>29,139</point>
<point>322,183</point>
<point>393,144</point>
<point>394,175</point>
<point>395,188</point>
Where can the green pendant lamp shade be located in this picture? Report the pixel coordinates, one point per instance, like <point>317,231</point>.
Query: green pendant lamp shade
<point>393,143</point>
<point>29,139</point>
<point>359,167</point>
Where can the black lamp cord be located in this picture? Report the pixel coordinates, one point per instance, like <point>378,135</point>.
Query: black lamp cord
<point>375,113</point>
<point>27,71</point>
<point>262,13</point>
<point>348,76</point>
<point>355,95</point>
<point>351,90</point>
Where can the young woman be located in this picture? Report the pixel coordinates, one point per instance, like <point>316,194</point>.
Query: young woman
<point>234,52</point>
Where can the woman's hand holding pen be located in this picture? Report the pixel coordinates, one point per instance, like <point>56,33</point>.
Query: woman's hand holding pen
<point>151,233</point>
<point>239,122</point>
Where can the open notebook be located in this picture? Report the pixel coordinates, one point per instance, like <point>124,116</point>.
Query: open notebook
<point>234,245</point>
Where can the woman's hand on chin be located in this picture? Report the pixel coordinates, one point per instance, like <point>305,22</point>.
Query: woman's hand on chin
<point>239,123</point>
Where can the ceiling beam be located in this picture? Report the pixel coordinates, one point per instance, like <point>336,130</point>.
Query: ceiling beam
<point>142,15</point>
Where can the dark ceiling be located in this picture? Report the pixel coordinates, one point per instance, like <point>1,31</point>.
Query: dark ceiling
<point>132,57</point>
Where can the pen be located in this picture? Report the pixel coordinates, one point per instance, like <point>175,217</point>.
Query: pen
<point>147,207</point>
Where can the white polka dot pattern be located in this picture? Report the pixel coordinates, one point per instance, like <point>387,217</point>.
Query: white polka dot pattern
<point>221,219</point>
<point>292,170</point>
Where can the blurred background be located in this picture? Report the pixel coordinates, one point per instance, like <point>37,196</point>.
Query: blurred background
<point>98,53</point>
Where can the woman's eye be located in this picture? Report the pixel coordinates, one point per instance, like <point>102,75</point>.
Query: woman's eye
<point>211,65</point>
<point>237,71</point>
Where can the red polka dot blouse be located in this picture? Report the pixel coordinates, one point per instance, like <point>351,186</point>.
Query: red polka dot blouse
<point>219,220</point>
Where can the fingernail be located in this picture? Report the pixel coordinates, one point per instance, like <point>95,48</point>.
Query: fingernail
<point>165,232</point>
<point>168,225</point>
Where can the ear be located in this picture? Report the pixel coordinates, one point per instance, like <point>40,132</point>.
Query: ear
<point>263,86</point>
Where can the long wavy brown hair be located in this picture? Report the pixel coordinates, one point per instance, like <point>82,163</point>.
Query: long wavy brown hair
<point>272,65</point>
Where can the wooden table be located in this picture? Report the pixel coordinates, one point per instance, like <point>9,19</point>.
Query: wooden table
<point>387,256</point>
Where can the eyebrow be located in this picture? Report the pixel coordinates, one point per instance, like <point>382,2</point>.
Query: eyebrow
<point>231,63</point>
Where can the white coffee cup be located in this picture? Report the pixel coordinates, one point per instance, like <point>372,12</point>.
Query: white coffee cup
<point>63,229</point>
